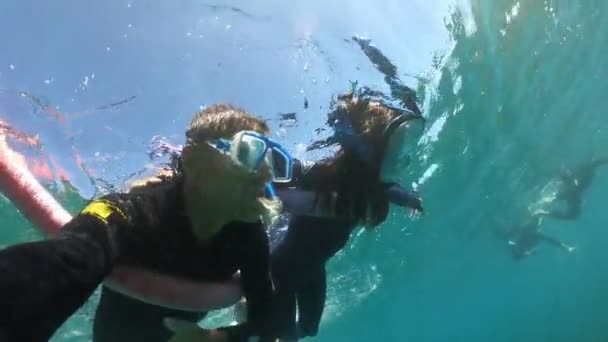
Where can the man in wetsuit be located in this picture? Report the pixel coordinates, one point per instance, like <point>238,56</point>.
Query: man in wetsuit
<point>208,211</point>
<point>524,240</point>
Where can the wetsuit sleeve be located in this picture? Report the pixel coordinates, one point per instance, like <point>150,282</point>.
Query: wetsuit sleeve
<point>43,283</point>
<point>255,278</point>
<point>311,175</point>
<point>257,287</point>
<point>400,196</point>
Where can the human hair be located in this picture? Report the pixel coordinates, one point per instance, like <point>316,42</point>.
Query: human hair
<point>222,121</point>
<point>360,195</point>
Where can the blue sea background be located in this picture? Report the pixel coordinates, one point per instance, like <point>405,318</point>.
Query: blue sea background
<point>513,91</point>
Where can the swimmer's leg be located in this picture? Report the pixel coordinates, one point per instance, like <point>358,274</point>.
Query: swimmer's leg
<point>285,310</point>
<point>119,318</point>
<point>555,242</point>
<point>311,302</point>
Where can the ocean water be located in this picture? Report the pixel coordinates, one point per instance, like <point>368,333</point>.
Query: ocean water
<point>513,91</point>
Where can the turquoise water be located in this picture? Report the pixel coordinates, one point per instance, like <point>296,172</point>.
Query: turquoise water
<point>513,91</point>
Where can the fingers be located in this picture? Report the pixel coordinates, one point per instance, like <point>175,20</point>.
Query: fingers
<point>415,213</point>
<point>418,208</point>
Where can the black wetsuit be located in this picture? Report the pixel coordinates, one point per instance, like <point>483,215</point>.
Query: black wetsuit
<point>298,262</point>
<point>295,246</point>
<point>145,320</point>
<point>42,283</point>
<point>525,239</point>
<point>298,272</point>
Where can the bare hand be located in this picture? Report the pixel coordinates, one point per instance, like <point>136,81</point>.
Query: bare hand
<point>416,207</point>
<point>415,213</point>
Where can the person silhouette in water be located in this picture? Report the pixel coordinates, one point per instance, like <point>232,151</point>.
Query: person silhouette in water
<point>574,183</point>
<point>525,239</point>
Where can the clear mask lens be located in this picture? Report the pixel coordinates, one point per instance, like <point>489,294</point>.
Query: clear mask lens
<point>280,165</point>
<point>249,151</point>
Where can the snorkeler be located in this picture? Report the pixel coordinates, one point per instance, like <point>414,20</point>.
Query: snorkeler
<point>209,209</point>
<point>524,240</point>
<point>359,183</point>
<point>574,183</point>
<point>369,134</point>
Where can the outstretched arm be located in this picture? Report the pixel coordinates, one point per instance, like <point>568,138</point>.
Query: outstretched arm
<point>48,216</point>
<point>43,283</point>
<point>24,190</point>
<point>314,203</point>
<point>405,198</point>
<point>555,242</point>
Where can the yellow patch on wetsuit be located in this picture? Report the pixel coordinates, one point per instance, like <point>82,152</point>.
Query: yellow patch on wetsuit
<point>102,210</point>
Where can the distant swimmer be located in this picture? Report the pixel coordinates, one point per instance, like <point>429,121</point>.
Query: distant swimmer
<point>574,183</point>
<point>525,239</point>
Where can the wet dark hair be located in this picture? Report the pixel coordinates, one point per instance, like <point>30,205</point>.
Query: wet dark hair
<point>360,195</point>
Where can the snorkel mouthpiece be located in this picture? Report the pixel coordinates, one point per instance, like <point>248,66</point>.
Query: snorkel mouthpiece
<point>269,191</point>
